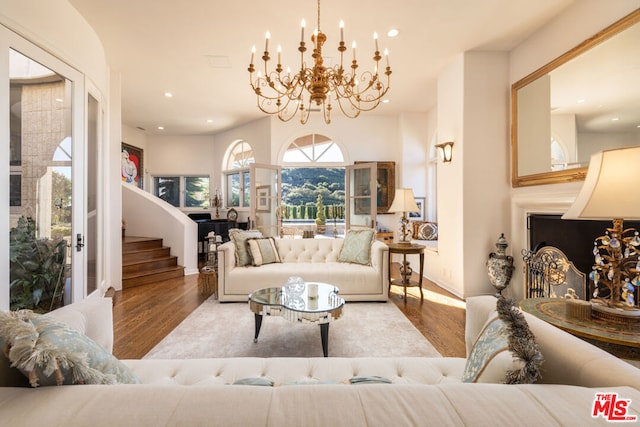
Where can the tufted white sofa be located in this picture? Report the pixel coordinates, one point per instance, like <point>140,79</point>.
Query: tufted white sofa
<point>311,391</point>
<point>313,260</point>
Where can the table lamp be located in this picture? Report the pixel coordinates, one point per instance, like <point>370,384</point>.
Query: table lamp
<point>611,190</point>
<point>404,202</point>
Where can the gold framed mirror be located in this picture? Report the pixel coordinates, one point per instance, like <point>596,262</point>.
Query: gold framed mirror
<point>586,100</point>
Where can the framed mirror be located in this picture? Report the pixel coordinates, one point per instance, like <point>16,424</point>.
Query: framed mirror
<point>582,102</point>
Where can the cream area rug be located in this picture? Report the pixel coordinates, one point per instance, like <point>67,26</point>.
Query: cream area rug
<point>226,330</point>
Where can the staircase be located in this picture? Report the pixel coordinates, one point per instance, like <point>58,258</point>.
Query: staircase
<point>145,260</point>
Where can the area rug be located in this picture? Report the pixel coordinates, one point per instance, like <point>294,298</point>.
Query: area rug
<point>226,330</point>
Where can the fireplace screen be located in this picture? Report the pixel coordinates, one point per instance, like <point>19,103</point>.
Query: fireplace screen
<point>550,274</point>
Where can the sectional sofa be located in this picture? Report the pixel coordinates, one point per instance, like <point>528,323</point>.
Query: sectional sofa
<point>322,391</point>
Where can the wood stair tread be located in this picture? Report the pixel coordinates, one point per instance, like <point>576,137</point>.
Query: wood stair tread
<point>152,272</point>
<point>129,263</point>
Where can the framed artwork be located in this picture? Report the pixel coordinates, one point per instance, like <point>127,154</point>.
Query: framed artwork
<point>263,198</point>
<point>131,165</point>
<point>386,183</point>
<point>418,216</point>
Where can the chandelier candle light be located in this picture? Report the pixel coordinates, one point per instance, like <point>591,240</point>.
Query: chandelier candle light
<point>284,94</point>
<point>610,191</point>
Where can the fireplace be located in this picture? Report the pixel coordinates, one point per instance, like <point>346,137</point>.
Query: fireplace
<point>573,237</point>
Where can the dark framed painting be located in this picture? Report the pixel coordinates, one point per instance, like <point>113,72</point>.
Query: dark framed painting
<point>386,185</point>
<point>131,165</point>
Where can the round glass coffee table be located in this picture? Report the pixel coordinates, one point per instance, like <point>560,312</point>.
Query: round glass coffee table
<point>312,302</point>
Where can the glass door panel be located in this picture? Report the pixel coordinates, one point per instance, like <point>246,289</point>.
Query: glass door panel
<point>92,214</point>
<point>41,156</point>
<point>265,199</point>
<point>361,196</point>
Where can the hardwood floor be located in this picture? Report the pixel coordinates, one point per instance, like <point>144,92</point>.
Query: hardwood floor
<point>144,315</point>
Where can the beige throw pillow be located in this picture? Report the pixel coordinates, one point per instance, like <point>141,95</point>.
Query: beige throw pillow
<point>239,238</point>
<point>356,247</point>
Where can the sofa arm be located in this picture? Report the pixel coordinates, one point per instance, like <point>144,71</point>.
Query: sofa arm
<point>226,257</point>
<point>92,316</point>
<point>380,261</point>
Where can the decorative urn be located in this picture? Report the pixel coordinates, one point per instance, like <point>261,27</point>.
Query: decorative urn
<point>500,266</point>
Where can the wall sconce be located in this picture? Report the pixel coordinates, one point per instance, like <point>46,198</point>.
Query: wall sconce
<point>446,151</point>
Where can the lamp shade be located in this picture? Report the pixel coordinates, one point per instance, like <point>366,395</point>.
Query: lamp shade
<point>611,188</point>
<point>404,201</point>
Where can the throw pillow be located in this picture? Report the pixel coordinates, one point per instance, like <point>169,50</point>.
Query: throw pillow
<point>427,231</point>
<point>239,238</point>
<point>259,381</point>
<point>374,379</point>
<point>263,251</point>
<point>49,352</point>
<point>356,247</point>
<point>505,351</point>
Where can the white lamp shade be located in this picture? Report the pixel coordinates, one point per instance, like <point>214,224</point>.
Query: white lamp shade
<point>404,201</point>
<point>611,188</point>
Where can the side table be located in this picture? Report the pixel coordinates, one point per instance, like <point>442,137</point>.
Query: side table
<point>405,270</point>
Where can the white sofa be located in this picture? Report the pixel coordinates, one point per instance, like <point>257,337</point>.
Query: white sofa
<point>424,391</point>
<point>313,260</point>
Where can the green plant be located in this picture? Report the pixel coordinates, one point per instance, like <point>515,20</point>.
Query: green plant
<point>321,219</point>
<point>36,268</point>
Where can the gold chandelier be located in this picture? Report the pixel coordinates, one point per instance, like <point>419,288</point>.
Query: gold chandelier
<point>284,94</point>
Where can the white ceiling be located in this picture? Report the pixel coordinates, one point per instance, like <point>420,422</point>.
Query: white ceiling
<point>199,50</point>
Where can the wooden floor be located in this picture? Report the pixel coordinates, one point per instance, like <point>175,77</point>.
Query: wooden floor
<point>144,315</point>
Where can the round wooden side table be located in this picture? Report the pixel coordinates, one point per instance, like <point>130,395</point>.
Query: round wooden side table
<point>405,269</point>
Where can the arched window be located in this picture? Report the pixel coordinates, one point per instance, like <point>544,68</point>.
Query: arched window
<point>312,170</point>
<point>236,163</point>
<point>313,148</point>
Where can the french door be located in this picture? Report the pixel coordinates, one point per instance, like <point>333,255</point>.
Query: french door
<point>361,193</point>
<point>44,116</point>
<point>265,198</point>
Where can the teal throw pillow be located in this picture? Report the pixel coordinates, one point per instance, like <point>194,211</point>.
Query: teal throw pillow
<point>505,351</point>
<point>239,238</point>
<point>369,379</point>
<point>263,251</point>
<point>356,247</point>
<point>259,381</point>
<point>49,352</point>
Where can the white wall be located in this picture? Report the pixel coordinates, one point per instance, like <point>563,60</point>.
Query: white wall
<point>579,22</point>
<point>485,150</point>
<point>473,190</point>
<point>446,268</point>
<point>180,155</point>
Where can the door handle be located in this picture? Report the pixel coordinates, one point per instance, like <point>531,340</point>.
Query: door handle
<point>79,243</point>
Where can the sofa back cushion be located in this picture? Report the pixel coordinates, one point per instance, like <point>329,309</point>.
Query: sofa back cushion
<point>309,250</point>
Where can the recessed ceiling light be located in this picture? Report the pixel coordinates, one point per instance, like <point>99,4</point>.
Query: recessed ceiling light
<point>385,101</point>
<point>160,127</point>
<point>393,32</point>
<point>581,101</point>
<point>168,95</point>
<point>615,119</point>
<point>209,120</point>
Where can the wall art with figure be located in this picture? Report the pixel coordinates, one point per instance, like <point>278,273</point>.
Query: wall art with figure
<point>131,159</point>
